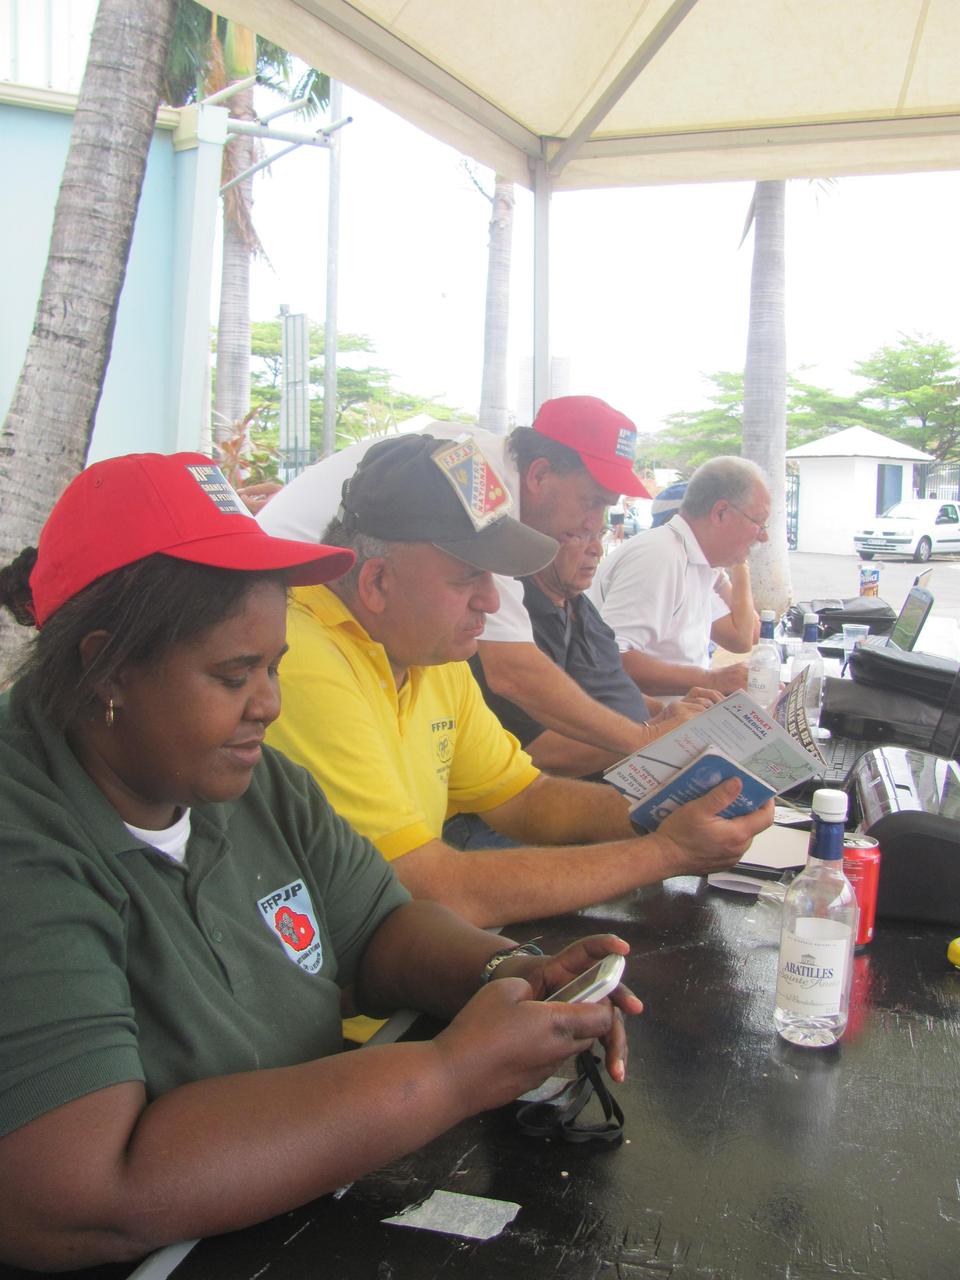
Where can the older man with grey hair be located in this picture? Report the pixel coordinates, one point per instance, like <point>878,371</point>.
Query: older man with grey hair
<point>665,592</point>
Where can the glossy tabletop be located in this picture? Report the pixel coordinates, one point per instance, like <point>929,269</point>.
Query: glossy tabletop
<point>744,1157</point>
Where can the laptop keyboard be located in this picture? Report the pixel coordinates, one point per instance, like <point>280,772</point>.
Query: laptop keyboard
<point>840,755</point>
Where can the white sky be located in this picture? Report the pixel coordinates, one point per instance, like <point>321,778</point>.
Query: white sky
<point>649,287</point>
<point>649,290</point>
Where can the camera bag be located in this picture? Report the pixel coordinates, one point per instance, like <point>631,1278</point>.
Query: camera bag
<point>920,675</point>
<point>880,715</point>
<point>870,611</point>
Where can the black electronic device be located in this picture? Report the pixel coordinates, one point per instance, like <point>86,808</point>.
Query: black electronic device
<point>896,698</point>
<point>909,624</point>
<point>909,801</point>
<point>872,716</point>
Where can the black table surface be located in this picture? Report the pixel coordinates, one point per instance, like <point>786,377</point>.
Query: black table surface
<point>743,1156</point>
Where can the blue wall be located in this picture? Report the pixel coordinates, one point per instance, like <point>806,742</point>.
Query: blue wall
<point>135,412</point>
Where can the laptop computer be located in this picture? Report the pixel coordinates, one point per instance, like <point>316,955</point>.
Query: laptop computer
<point>906,630</point>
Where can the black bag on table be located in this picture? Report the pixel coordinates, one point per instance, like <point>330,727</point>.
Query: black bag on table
<point>870,611</point>
<point>873,714</point>
<point>920,675</point>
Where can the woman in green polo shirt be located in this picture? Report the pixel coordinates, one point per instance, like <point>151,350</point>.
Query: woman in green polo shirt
<point>184,910</point>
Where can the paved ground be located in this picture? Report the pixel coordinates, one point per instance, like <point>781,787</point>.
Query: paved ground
<point>819,575</point>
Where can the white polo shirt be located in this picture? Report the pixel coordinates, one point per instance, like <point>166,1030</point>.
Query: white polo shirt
<point>657,593</point>
<point>304,508</point>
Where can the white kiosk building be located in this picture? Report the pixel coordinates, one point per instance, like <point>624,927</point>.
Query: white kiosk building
<point>845,480</point>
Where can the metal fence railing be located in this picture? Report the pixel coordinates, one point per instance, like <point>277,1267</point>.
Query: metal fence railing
<point>937,480</point>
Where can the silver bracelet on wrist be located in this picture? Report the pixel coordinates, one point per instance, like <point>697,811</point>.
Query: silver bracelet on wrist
<point>498,957</point>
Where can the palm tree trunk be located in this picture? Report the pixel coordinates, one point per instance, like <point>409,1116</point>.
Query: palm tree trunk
<point>45,438</point>
<point>493,395</point>
<point>232,401</point>
<point>765,390</point>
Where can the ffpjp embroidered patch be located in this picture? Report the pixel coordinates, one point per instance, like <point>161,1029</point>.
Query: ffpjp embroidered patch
<point>288,913</point>
<point>218,489</point>
<point>484,496</point>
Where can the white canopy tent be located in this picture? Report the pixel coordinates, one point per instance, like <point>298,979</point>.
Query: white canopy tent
<point>567,94</point>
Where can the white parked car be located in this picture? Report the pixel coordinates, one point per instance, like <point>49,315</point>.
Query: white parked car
<point>917,527</point>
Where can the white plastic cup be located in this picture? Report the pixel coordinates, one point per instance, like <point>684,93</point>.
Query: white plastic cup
<point>853,634</point>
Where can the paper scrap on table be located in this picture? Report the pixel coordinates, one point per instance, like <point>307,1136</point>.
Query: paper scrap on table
<point>776,849</point>
<point>474,1217</point>
<point>735,881</point>
<point>785,815</point>
<point>773,850</point>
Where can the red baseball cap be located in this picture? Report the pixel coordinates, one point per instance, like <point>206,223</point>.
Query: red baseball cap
<point>604,439</point>
<point>181,505</point>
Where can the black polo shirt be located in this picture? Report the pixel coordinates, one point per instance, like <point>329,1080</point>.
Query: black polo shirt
<point>577,639</point>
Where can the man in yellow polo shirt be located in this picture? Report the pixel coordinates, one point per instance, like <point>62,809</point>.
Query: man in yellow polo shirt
<point>380,705</point>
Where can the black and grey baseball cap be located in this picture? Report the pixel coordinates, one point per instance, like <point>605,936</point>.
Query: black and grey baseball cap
<point>417,488</point>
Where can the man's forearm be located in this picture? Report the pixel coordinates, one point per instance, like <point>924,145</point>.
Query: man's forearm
<point>743,624</point>
<point>536,878</point>
<point>527,677</point>
<point>492,887</point>
<point>565,757</point>
<point>563,811</point>
<point>655,676</point>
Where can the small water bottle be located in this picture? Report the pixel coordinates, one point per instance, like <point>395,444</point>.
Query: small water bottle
<point>817,933</point>
<point>763,676</point>
<point>808,655</point>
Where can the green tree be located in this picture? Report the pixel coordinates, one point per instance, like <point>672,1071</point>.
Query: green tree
<point>692,436</point>
<point>367,401</point>
<point>914,390</point>
<point>814,412</point>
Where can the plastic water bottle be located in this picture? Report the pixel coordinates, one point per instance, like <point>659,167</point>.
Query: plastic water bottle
<point>808,655</point>
<point>817,933</point>
<point>763,677</point>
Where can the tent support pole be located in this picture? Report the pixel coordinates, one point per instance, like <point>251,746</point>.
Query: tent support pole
<point>541,282</point>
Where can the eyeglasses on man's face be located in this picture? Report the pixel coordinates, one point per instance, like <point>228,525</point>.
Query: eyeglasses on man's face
<point>761,526</point>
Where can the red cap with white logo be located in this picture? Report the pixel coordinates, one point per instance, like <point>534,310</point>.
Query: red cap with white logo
<point>604,438</point>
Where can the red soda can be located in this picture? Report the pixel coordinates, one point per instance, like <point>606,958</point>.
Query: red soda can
<point>861,866</point>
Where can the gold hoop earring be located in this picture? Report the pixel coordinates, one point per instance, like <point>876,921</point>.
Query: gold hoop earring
<point>109,715</point>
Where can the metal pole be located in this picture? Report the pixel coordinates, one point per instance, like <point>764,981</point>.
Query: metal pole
<point>229,90</point>
<point>48,44</point>
<point>14,41</point>
<point>333,249</point>
<point>254,129</point>
<point>261,164</point>
<point>541,284</point>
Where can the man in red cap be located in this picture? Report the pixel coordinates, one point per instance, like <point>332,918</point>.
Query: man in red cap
<point>576,460</point>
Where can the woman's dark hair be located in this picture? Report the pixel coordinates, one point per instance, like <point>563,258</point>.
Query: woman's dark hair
<point>147,608</point>
<point>15,586</point>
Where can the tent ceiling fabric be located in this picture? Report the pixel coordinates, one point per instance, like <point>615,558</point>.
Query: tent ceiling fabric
<point>685,90</point>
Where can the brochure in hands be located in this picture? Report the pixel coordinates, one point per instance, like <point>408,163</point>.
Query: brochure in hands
<point>735,737</point>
